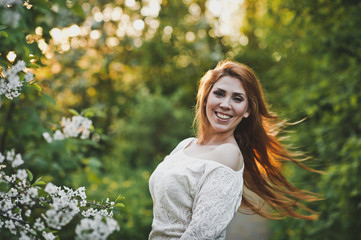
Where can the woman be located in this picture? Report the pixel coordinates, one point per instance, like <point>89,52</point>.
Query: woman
<point>198,188</point>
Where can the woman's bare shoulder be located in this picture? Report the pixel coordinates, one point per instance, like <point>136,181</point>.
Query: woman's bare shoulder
<point>230,155</point>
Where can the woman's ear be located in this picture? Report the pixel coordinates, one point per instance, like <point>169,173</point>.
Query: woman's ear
<point>246,114</point>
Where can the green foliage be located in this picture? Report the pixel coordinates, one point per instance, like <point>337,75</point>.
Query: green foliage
<point>139,91</point>
<point>152,128</point>
<point>317,76</point>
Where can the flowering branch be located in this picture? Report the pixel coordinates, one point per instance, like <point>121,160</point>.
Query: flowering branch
<point>73,127</point>
<point>11,84</point>
<point>45,210</point>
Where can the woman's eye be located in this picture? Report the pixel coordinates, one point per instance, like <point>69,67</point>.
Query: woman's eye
<point>218,93</point>
<point>237,99</point>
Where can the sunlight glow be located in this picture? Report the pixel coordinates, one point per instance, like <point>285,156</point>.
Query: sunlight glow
<point>11,56</point>
<point>43,46</point>
<point>243,40</point>
<point>168,30</point>
<point>56,34</point>
<point>112,41</point>
<point>190,37</point>
<point>116,14</point>
<point>130,3</point>
<point>151,8</point>
<point>227,17</point>
<point>107,14</point>
<point>215,7</point>
<point>98,16</point>
<point>74,30</point>
<point>138,24</point>
<point>95,34</point>
<point>39,31</point>
<point>194,9</point>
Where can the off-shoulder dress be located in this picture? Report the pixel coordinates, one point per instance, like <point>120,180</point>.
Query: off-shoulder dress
<point>193,198</point>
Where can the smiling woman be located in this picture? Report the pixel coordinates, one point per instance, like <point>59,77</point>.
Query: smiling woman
<point>198,187</point>
<point>226,105</point>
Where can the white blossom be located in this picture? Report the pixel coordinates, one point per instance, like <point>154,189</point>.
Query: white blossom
<point>51,188</point>
<point>2,158</point>
<point>11,84</point>
<point>48,235</point>
<point>9,224</point>
<point>47,137</point>
<point>6,204</point>
<point>58,135</point>
<point>17,161</point>
<point>62,205</point>
<point>83,203</point>
<point>12,192</point>
<point>29,77</point>
<point>33,192</point>
<point>24,236</point>
<point>39,224</point>
<point>10,2</point>
<point>26,200</point>
<point>3,86</point>
<point>91,212</point>
<point>95,228</point>
<point>61,213</point>
<point>21,174</point>
<point>73,127</point>
<point>11,18</point>
<point>11,178</point>
<point>27,213</point>
<point>10,155</point>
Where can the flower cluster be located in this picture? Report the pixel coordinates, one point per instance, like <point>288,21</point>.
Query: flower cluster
<point>11,16</point>
<point>96,228</point>
<point>73,127</point>
<point>14,159</point>
<point>11,84</point>
<point>57,206</point>
<point>4,3</point>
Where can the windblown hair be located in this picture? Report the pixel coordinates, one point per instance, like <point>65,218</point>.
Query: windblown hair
<point>261,148</point>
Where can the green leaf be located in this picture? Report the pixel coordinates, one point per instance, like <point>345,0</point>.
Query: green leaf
<point>74,112</point>
<point>36,87</point>
<point>30,175</point>
<point>4,34</point>
<point>119,205</point>
<point>33,65</point>
<point>119,198</point>
<point>39,183</point>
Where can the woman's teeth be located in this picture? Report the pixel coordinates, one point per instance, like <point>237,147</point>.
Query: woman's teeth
<point>222,116</point>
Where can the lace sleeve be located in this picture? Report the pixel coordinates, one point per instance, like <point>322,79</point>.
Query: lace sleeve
<point>215,204</point>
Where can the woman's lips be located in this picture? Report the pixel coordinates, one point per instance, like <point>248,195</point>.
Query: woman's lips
<point>223,116</point>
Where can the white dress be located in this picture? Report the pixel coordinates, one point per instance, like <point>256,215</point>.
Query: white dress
<point>194,199</point>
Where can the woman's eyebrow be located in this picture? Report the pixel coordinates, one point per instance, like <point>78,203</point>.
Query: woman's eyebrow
<point>240,94</point>
<point>233,93</point>
<point>220,89</point>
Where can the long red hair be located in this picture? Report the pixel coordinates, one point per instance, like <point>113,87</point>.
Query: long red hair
<point>260,146</point>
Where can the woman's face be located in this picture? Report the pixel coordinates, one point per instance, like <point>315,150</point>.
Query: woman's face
<point>226,105</point>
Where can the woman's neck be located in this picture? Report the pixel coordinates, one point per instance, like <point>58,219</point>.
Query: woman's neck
<point>218,139</point>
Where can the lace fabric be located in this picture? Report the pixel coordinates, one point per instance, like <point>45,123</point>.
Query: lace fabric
<point>193,198</point>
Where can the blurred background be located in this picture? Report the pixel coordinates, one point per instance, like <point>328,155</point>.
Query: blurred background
<point>133,66</point>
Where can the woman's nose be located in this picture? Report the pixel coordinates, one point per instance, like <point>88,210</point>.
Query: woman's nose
<point>225,104</point>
